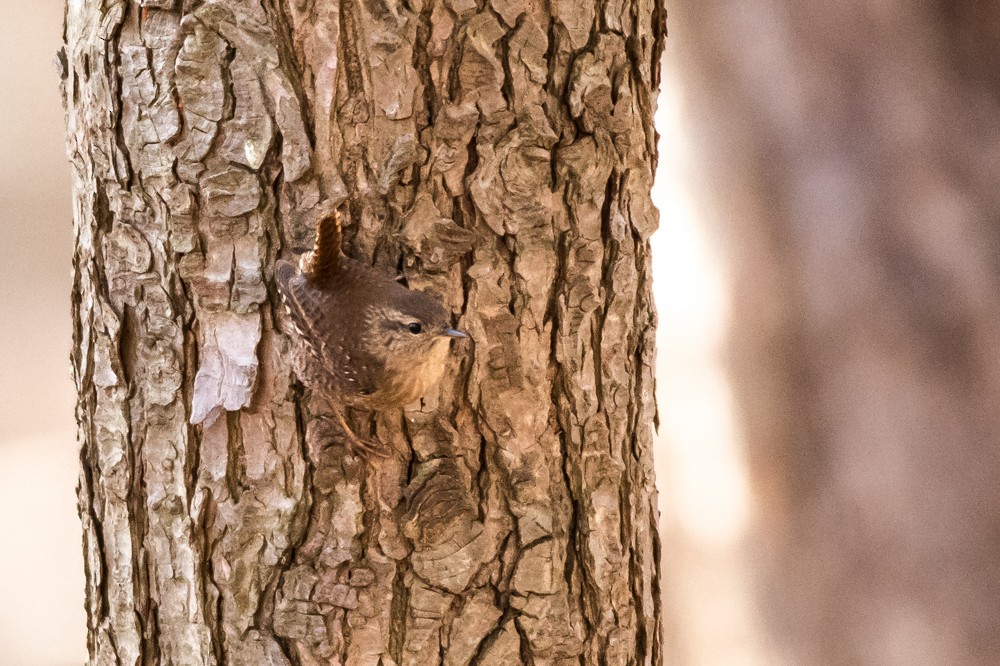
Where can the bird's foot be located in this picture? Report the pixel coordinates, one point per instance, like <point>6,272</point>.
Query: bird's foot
<point>335,429</point>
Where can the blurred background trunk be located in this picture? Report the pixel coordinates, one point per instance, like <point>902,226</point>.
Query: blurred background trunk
<point>501,157</point>
<point>848,156</point>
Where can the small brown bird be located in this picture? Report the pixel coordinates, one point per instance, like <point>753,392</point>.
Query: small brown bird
<point>374,343</point>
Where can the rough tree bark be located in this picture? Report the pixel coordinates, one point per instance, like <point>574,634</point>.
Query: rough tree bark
<point>499,155</point>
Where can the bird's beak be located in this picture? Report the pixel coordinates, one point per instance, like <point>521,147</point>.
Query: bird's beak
<point>452,333</point>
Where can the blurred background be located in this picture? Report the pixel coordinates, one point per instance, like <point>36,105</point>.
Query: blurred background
<point>42,621</point>
<point>829,346</point>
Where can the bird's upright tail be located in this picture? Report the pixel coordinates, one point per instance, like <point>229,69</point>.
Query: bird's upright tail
<point>324,260</point>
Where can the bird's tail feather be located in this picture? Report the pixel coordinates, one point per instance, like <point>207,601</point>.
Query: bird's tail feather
<point>324,260</point>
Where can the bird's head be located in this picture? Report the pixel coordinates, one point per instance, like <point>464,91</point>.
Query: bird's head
<point>409,330</point>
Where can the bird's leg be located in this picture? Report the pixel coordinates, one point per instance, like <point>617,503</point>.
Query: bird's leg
<point>375,448</point>
<point>363,446</point>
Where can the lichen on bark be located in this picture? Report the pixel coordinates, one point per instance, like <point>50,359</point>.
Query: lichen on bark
<point>498,155</point>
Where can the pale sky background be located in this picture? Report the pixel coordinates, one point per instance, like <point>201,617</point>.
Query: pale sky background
<point>41,556</point>
<point>704,495</point>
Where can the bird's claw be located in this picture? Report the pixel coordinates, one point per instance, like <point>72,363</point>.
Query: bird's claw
<point>365,447</point>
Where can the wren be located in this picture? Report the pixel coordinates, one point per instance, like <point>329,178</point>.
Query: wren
<point>373,344</point>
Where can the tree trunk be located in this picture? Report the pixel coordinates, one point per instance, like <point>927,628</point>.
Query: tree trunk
<point>501,157</point>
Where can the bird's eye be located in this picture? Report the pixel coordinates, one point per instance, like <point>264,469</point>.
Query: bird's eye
<point>414,328</point>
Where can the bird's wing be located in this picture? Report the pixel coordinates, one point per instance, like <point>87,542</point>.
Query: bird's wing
<point>312,310</point>
<point>301,303</point>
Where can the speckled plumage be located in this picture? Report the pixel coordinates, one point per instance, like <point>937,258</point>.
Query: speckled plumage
<point>356,322</point>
